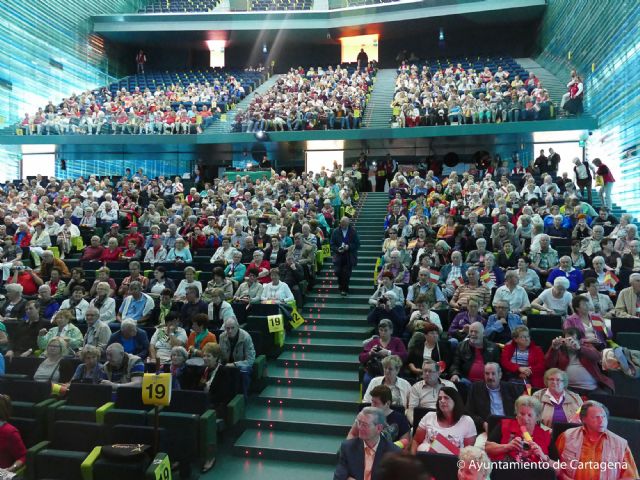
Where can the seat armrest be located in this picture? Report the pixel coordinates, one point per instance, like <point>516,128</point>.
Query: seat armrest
<point>51,413</point>
<point>235,409</point>
<point>86,467</point>
<point>208,434</point>
<point>259,366</point>
<point>31,458</point>
<point>101,411</point>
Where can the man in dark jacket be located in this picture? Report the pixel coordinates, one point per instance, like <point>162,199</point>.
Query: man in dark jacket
<point>472,355</point>
<point>344,252</point>
<point>352,463</point>
<point>492,396</point>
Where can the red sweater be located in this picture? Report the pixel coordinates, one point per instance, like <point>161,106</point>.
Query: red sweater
<point>536,363</point>
<point>109,256</point>
<point>11,446</point>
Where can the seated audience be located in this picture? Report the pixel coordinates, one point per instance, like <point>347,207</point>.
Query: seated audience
<point>122,369</point>
<point>559,405</point>
<point>249,291</point>
<point>592,326</point>
<point>522,360</point>
<point>200,335</point>
<point>49,370</point>
<point>391,366</point>
<point>165,339</point>
<point>13,453</point>
<point>425,392</point>
<point>398,428</point>
<point>447,429</point>
<point>492,396</point>
<point>352,457</point>
<point>90,370</point>
<point>627,303</point>
<point>63,329</point>
<point>133,339</point>
<point>581,361</point>
<point>555,300</point>
<point>521,439</point>
<point>593,442</point>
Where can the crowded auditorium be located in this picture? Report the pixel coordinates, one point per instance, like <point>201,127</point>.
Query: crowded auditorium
<point>348,239</point>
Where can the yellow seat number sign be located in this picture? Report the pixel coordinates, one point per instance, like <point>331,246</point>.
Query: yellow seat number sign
<point>296,319</point>
<point>156,389</point>
<point>326,250</point>
<point>162,470</point>
<point>275,323</point>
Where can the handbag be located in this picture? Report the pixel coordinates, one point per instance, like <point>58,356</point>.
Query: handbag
<point>599,181</point>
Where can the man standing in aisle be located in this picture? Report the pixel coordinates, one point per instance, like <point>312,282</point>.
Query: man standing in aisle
<point>344,252</point>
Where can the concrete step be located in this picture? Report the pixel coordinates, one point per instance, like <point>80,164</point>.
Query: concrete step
<point>334,331</point>
<point>310,420</point>
<point>285,445</point>
<point>311,377</point>
<point>338,361</point>
<point>319,397</point>
<point>328,345</point>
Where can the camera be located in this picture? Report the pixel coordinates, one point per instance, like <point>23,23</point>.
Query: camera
<point>19,268</point>
<point>525,446</point>
<point>383,300</point>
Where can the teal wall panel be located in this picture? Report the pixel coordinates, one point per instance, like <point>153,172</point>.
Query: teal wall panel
<point>601,40</point>
<point>48,52</point>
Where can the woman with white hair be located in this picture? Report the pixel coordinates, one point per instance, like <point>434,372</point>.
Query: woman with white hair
<point>473,464</point>
<point>555,300</point>
<point>180,253</point>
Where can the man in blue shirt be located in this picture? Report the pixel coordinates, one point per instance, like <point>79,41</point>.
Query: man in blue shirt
<point>137,305</point>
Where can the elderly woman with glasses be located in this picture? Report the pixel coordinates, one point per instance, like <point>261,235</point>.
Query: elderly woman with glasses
<point>521,439</point>
<point>49,369</point>
<point>558,403</point>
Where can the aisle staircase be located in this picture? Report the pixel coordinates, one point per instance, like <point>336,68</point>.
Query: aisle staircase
<point>378,111</point>
<point>224,126</point>
<point>298,421</point>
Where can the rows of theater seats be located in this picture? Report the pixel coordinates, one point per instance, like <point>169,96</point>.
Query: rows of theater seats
<point>249,79</point>
<point>146,103</point>
<point>275,5</point>
<point>62,435</point>
<point>179,6</point>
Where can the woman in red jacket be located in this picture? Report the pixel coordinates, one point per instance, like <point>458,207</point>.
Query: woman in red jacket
<point>12,450</point>
<point>22,238</point>
<point>112,253</point>
<point>521,439</point>
<point>522,360</point>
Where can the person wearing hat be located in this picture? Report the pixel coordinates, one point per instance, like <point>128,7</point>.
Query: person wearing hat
<point>156,253</point>
<point>40,241</point>
<point>134,235</point>
<point>114,232</point>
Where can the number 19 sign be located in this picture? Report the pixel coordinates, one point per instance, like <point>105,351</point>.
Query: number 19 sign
<point>156,389</point>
